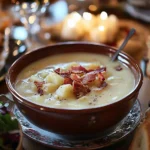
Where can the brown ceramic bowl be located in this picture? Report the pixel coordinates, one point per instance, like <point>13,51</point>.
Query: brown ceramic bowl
<point>74,122</point>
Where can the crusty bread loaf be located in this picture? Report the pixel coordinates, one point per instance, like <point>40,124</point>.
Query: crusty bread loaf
<point>141,140</point>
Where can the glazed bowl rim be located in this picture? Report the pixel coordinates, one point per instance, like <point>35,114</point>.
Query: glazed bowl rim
<point>35,106</point>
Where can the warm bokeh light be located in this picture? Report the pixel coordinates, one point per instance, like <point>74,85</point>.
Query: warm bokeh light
<point>46,1</point>
<point>87,16</point>
<point>32,19</point>
<point>92,8</point>
<point>33,5</point>
<point>18,42</point>
<point>71,23</point>
<point>7,33</point>
<point>24,5</point>
<point>15,52</point>
<point>101,28</point>
<point>72,7</point>
<point>76,16</point>
<point>103,15</point>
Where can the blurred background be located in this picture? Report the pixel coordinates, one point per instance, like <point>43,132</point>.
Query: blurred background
<point>26,25</point>
<point>37,23</point>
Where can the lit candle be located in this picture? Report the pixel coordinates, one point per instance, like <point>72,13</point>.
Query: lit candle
<point>103,18</point>
<point>72,27</point>
<point>88,21</point>
<point>112,28</point>
<point>99,34</point>
<point>103,15</point>
<point>111,25</point>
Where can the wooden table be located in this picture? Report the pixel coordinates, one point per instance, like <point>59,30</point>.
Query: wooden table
<point>144,98</point>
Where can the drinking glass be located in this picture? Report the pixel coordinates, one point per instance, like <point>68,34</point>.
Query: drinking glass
<point>31,11</point>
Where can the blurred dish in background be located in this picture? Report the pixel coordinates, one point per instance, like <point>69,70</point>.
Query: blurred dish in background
<point>142,13</point>
<point>140,3</point>
<point>101,28</point>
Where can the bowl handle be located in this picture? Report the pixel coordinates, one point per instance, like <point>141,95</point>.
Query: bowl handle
<point>7,101</point>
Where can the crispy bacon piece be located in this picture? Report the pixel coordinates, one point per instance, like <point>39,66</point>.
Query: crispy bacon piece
<point>75,77</point>
<point>101,76</point>
<point>118,68</point>
<point>39,86</point>
<point>90,70</point>
<point>78,69</point>
<point>79,77</point>
<point>89,77</point>
<point>57,70</point>
<point>62,73</point>
<point>101,80</point>
<point>103,85</point>
<point>79,89</point>
<point>68,81</point>
<point>100,70</point>
<point>40,91</point>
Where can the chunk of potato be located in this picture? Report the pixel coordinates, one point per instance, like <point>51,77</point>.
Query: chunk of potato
<point>50,87</point>
<point>35,78</point>
<point>27,88</point>
<point>65,91</point>
<point>33,87</point>
<point>96,83</point>
<point>43,74</point>
<point>93,65</point>
<point>72,64</point>
<point>54,78</point>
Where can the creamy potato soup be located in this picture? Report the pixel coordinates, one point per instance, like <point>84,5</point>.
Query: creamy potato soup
<point>75,81</point>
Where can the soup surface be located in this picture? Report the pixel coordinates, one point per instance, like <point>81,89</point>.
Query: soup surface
<point>75,81</point>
